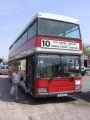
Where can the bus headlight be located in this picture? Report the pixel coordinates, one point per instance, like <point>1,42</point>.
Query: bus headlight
<point>77,82</point>
<point>42,90</point>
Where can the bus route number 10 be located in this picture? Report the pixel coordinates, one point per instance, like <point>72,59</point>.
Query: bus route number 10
<point>45,43</point>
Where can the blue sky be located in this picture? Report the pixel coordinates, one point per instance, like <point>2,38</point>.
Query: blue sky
<point>16,14</point>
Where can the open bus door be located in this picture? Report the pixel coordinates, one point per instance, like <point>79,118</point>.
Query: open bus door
<point>30,73</point>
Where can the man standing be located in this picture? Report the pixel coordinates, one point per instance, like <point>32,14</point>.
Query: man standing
<point>15,83</point>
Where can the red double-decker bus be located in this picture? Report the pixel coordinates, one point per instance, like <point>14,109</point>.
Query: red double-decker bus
<point>49,50</point>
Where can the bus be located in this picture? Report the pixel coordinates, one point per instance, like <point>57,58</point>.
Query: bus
<point>49,50</point>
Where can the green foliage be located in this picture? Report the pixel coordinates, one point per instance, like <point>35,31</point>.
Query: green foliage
<point>86,49</point>
<point>15,63</point>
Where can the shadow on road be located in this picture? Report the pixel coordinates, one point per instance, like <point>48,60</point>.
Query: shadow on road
<point>84,96</point>
<point>48,100</point>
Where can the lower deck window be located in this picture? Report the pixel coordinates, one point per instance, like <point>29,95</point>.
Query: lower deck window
<point>48,66</point>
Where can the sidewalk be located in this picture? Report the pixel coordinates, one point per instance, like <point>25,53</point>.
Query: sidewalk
<point>88,72</point>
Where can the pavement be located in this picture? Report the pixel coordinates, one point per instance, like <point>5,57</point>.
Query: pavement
<point>88,72</point>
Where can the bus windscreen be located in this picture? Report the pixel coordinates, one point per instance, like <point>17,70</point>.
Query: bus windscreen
<point>55,28</point>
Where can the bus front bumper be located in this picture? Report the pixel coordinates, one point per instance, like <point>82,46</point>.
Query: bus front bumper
<point>59,94</point>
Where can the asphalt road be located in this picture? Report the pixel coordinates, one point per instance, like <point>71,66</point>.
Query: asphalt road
<point>86,83</point>
<point>27,108</point>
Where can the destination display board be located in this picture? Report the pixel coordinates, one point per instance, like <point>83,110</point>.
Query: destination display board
<point>63,45</point>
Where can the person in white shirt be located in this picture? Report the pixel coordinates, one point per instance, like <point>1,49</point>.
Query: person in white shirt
<point>15,83</point>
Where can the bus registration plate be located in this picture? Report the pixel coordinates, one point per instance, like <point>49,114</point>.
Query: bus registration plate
<point>62,95</point>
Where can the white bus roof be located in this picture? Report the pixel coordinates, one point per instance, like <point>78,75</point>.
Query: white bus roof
<point>49,16</point>
<point>57,17</point>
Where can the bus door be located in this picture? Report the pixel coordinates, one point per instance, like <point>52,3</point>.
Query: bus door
<point>30,73</point>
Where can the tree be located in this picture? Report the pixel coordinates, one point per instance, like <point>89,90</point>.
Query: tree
<point>86,49</point>
<point>15,63</point>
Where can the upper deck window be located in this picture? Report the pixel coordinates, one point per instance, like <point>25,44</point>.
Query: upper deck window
<point>32,30</point>
<point>58,29</point>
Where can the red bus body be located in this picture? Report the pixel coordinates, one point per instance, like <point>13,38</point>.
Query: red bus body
<point>50,86</point>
